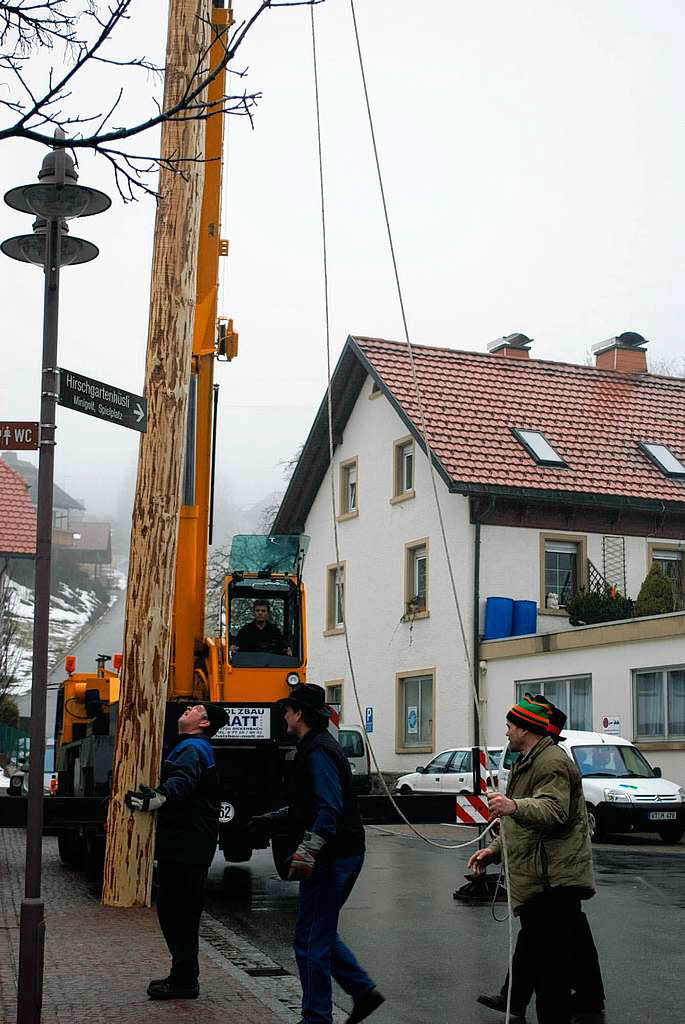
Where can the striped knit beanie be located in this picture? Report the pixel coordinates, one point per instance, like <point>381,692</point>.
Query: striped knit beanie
<point>530,715</point>
<point>557,718</point>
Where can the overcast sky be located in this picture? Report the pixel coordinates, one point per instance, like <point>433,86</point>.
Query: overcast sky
<point>534,160</point>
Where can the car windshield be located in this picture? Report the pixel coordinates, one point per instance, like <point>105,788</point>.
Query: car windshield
<point>494,756</point>
<point>611,762</point>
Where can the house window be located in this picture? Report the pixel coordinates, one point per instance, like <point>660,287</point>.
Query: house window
<point>403,470</point>
<point>348,488</point>
<point>375,390</point>
<point>416,578</point>
<point>571,694</point>
<point>335,598</point>
<point>563,570</point>
<point>670,561</point>
<point>415,711</point>
<point>334,695</point>
<point>659,697</point>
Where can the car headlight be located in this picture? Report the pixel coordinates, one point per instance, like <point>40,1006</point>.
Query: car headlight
<point>681,795</point>
<point>616,796</point>
<point>292,679</point>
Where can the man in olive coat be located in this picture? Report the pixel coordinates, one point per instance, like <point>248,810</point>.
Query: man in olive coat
<point>544,825</point>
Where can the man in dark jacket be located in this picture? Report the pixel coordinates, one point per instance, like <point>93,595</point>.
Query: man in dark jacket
<point>187,805</point>
<point>544,824</point>
<point>327,837</point>
<point>260,636</point>
<point>586,975</point>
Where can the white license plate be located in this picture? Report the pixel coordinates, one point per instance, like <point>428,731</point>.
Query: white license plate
<point>226,811</point>
<point>662,815</point>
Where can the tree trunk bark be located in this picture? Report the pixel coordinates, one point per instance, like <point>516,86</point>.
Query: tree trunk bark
<point>152,565</point>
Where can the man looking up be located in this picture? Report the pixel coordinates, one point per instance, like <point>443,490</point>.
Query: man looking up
<point>260,636</point>
<point>544,824</point>
<point>187,802</point>
<point>326,833</point>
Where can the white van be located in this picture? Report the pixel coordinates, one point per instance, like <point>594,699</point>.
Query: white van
<point>622,791</point>
<point>352,739</point>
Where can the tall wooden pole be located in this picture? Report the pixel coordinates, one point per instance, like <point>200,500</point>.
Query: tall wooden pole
<point>149,600</point>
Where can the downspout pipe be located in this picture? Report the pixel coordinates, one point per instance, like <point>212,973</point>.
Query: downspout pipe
<point>476,632</point>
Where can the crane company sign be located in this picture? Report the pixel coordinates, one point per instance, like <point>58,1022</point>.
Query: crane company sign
<point>104,401</point>
<point>18,436</point>
<point>246,723</point>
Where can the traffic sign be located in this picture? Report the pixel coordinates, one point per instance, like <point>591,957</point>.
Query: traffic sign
<point>368,719</point>
<point>18,436</point>
<point>104,401</point>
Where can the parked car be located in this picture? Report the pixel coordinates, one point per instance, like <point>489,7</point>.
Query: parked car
<point>623,792</point>
<point>450,772</point>
<point>352,739</point>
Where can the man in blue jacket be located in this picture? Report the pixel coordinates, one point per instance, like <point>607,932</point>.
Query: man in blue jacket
<point>187,805</point>
<point>327,836</point>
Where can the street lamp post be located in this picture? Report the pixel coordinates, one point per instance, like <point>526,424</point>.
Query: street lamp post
<point>54,199</point>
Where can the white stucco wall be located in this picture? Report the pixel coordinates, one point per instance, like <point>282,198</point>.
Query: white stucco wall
<point>611,669</point>
<point>373,547</point>
<point>510,566</point>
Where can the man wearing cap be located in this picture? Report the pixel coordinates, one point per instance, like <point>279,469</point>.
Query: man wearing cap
<point>544,825</point>
<point>586,975</point>
<point>187,802</point>
<point>327,836</point>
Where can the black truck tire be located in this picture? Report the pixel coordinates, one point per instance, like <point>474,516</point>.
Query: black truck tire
<point>71,849</point>
<point>238,853</point>
<point>281,852</point>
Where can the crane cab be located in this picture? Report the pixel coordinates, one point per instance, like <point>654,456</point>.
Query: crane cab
<point>264,618</point>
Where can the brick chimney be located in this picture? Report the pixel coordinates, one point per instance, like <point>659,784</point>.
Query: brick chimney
<point>625,353</point>
<point>514,346</point>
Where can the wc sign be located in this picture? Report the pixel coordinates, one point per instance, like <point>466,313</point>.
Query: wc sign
<point>18,436</point>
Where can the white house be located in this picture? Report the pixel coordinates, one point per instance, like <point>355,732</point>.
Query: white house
<point>551,477</point>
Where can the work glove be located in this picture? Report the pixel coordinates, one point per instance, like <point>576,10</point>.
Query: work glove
<point>144,799</point>
<point>303,861</point>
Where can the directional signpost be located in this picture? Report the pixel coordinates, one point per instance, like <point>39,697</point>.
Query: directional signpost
<point>104,401</point>
<point>18,436</point>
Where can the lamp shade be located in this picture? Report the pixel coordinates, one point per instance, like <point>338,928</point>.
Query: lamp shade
<point>31,249</point>
<point>51,200</point>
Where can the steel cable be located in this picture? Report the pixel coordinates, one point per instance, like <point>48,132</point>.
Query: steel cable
<point>429,453</point>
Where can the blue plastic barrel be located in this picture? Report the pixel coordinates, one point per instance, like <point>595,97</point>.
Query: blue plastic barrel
<point>499,613</point>
<point>525,618</point>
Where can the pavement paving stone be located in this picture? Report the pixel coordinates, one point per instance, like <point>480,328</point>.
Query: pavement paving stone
<point>98,960</point>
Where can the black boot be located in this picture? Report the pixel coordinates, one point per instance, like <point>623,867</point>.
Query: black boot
<point>499,1002</point>
<point>365,1005</point>
<point>167,988</point>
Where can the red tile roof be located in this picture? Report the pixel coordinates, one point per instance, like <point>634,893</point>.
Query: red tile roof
<point>593,419</point>
<point>17,516</point>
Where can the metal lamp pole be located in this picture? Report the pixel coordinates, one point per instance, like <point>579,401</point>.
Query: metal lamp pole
<point>53,199</point>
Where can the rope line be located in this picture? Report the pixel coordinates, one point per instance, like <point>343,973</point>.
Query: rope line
<point>431,459</point>
<point>339,583</point>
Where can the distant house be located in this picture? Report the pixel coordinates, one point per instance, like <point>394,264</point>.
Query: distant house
<point>551,477</point>
<point>65,510</point>
<point>88,545</point>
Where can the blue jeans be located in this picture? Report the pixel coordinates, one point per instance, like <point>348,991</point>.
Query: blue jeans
<point>319,950</point>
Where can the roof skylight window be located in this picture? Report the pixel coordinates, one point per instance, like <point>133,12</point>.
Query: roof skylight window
<point>662,456</point>
<point>537,445</point>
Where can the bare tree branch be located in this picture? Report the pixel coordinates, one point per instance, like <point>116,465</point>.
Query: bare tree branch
<point>28,25</point>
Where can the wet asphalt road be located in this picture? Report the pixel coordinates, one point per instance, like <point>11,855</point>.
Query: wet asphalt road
<point>432,955</point>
